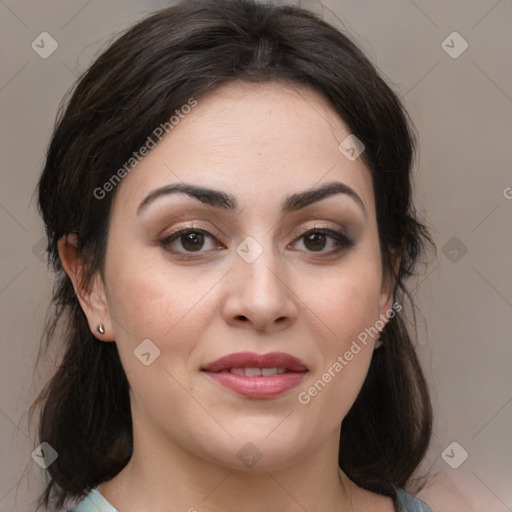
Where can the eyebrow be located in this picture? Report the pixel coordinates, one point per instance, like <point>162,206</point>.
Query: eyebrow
<point>219,199</point>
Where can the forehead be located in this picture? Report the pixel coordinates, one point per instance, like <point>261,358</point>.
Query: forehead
<point>257,141</point>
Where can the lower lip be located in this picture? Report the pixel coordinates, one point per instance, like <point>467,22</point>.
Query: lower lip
<point>258,387</point>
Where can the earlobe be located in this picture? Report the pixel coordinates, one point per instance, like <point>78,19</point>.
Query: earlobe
<point>91,295</point>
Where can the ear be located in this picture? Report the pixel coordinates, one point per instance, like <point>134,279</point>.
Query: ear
<point>388,284</point>
<point>93,297</point>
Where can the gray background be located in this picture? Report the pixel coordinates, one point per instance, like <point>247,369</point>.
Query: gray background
<point>462,108</point>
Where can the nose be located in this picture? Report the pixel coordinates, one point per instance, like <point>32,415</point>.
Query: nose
<point>259,295</point>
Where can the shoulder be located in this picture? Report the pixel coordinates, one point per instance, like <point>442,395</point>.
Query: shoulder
<point>94,502</point>
<point>407,503</point>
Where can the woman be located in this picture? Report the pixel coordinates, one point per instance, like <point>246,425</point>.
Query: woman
<point>227,198</point>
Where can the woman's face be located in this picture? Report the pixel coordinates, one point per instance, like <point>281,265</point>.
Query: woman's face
<point>245,279</point>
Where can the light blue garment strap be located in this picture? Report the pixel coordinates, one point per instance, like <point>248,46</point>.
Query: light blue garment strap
<point>94,502</point>
<point>407,503</point>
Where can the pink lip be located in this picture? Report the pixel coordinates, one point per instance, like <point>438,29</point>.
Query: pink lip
<point>258,386</point>
<point>253,360</point>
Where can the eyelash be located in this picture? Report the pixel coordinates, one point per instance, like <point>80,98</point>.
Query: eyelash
<point>342,241</point>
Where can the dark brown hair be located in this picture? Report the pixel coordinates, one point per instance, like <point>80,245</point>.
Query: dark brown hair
<point>135,85</point>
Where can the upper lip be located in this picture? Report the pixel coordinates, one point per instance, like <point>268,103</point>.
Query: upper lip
<point>253,360</point>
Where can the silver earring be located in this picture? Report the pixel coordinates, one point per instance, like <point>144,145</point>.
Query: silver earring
<point>378,344</point>
<point>100,329</point>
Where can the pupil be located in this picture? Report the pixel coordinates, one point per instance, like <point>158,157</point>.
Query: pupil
<point>193,241</point>
<point>313,237</point>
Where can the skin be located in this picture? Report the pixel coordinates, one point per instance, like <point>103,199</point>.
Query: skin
<point>259,142</point>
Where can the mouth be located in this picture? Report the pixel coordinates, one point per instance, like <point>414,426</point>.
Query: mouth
<point>253,362</point>
<point>256,372</point>
<point>257,375</point>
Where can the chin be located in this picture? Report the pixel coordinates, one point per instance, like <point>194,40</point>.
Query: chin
<point>250,450</point>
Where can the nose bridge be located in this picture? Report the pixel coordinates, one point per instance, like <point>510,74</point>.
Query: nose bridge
<point>258,291</point>
<point>258,266</point>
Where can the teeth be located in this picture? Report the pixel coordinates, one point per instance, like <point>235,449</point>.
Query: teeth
<point>252,372</point>
<point>256,372</point>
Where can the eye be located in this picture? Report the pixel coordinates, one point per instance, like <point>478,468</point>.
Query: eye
<point>191,240</point>
<point>315,240</point>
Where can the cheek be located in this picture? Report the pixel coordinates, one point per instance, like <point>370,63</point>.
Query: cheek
<point>153,298</point>
<point>347,305</point>
<point>169,306</point>
<point>149,303</point>
<point>347,302</point>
